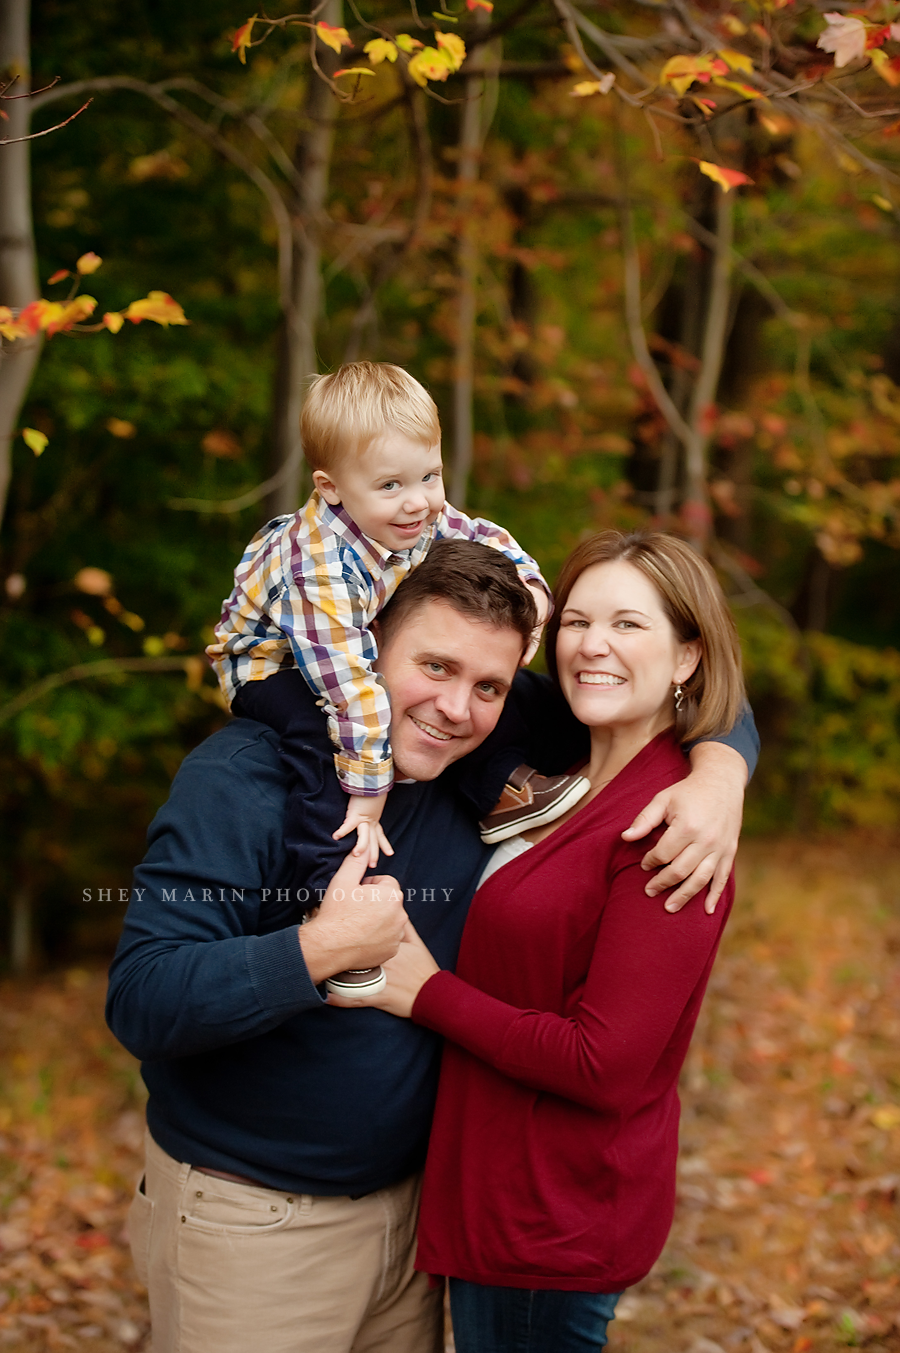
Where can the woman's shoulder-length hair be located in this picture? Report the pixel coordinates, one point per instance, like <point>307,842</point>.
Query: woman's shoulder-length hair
<point>696,608</point>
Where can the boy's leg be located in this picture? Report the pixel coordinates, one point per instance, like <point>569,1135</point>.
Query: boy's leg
<point>316,803</point>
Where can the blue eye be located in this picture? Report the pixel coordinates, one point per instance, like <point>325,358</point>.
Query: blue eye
<point>391,484</point>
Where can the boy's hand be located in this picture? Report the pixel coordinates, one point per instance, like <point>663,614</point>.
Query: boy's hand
<point>542,601</point>
<point>363,817</point>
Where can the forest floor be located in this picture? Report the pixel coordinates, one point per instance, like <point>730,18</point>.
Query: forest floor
<point>787,1235</point>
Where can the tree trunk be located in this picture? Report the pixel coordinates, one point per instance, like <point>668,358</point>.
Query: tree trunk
<point>297,357</point>
<point>472,130</point>
<point>18,265</point>
<point>696,509</point>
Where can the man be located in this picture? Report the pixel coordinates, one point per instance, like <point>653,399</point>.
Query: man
<point>279,1202</point>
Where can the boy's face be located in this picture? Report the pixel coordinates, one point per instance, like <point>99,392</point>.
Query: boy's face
<point>392,490</point>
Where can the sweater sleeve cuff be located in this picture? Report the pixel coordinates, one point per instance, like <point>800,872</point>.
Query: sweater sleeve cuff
<point>465,1015</point>
<point>279,974</point>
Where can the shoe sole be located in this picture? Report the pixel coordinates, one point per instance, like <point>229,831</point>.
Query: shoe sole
<point>370,988</point>
<point>541,817</point>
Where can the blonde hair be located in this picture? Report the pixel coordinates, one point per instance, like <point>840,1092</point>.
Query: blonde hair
<point>345,411</point>
<point>696,608</point>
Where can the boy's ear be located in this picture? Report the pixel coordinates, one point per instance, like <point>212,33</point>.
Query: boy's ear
<point>327,487</point>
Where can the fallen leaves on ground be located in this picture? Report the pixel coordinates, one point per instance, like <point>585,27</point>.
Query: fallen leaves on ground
<point>786,1236</point>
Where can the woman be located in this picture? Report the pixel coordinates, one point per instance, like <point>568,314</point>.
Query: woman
<point>550,1180</point>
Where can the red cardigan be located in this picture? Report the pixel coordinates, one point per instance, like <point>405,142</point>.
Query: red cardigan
<point>552,1156</point>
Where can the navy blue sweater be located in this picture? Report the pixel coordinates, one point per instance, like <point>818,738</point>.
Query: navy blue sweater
<point>248,1070</point>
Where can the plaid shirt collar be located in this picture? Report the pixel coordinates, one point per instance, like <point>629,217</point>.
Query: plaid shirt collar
<point>377,556</point>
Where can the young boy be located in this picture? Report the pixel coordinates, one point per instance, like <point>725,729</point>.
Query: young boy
<point>308,588</point>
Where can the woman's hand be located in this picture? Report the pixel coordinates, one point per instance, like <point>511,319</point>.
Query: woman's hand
<point>407,973</point>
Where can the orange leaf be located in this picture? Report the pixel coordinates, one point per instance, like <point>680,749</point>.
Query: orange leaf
<point>353,70</point>
<point>887,67</point>
<point>159,307</point>
<point>10,328</point>
<point>58,276</point>
<point>113,321</point>
<point>241,40</point>
<point>31,318</point>
<point>88,263</point>
<point>479,4</point>
<point>67,316</point>
<point>726,178</point>
<point>333,37</point>
<point>745,91</point>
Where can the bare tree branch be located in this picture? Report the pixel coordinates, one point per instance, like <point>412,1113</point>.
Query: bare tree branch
<point>104,668</point>
<point>12,140</point>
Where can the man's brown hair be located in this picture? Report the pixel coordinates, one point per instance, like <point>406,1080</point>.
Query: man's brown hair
<point>345,411</point>
<point>477,581</point>
<point>696,609</point>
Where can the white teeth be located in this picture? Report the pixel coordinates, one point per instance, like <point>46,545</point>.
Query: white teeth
<point>600,679</point>
<point>435,732</point>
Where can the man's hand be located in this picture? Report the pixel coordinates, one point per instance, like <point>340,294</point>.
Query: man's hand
<point>704,815</point>
<point>407,973</point>
<point>358,925</point>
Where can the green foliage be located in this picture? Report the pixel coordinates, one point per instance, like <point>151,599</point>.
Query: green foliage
<point>829,717</point>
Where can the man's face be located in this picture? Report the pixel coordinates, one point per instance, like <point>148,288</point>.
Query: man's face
<point>447,676</point>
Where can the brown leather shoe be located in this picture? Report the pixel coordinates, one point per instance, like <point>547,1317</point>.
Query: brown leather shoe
<point>531,800</point>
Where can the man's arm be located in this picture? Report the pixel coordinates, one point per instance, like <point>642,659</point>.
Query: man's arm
<point>192,972</point>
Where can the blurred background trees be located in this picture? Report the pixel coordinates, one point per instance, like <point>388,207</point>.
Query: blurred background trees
<point>612,339</point>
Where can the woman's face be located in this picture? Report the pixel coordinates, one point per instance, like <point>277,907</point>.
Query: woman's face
<point>617,654</point>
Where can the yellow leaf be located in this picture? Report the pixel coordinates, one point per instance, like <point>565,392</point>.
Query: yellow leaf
<point>88,263</point>
<point>883,202</point>
<point>153,646</point>
<point>34,440</point>
<point>429,64</point>
<point>69,315</point>
<point>682,71</point>
<point>734,26</point>
<point>887,67</point>
<point>406,43</point>
<point>585,88</point>
<point>745,91</point>
<point>453,48</point>
<point>159,307</point>
<point>113,321</point>
<point>332,36</point>
<point>9,327</point>
<point>380,49</point>
<point>726,178</point>
<point>887,1117</point>
<point>241,40</point>
<point>847,163</point>
<point>354,70</point>
<point>736,60</point>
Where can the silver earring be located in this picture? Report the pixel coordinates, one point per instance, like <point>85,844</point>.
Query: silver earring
<point>679,697</point>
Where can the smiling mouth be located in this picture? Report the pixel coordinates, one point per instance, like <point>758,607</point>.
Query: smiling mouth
<point>600,679</point>
<point>409,525</point>
<point>431,730</point>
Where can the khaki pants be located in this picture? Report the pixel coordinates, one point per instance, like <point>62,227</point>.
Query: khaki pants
<point>234,1269</point>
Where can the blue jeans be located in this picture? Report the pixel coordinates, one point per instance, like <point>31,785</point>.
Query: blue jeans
<point>517,1320</point>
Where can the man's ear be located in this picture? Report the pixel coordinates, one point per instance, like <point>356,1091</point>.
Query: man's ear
<point>327,487</point>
